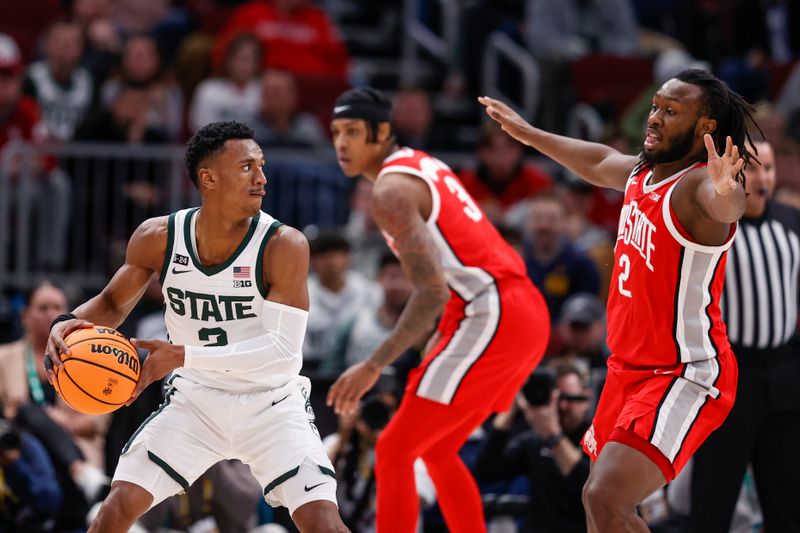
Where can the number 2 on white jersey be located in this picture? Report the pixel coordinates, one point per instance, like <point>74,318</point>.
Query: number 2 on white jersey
<point>625,272</point>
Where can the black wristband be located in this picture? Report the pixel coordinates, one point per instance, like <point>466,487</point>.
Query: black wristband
<point>553,441</point>
<point>61,318</point>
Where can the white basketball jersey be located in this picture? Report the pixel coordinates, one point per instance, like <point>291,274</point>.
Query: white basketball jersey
<point>220,305</point>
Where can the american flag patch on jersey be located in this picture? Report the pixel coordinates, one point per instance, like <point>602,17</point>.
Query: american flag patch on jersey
<point>241,272</point>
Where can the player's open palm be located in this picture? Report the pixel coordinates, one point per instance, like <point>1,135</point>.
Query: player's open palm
<point>723,169</point>
<point>163,358</point>
<point>509,120</point>
<point>351,386</point>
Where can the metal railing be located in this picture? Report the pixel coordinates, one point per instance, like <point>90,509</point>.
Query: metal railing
<point>67,210</point>
<point>418,36</point>
<point>500,47</point>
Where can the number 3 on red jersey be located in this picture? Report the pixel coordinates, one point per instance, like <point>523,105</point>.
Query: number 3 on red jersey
<point>433,168</point>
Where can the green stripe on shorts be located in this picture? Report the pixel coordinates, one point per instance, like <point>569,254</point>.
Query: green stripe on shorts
<point>280,479</point>
<point>169,470</point>
<point>327,471</point>
<point>152,415</point>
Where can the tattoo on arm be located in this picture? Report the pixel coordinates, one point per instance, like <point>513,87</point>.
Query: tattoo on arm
<point>396,213</point>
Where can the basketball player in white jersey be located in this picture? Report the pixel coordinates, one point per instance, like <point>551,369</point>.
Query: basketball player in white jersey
<point>234,280</point>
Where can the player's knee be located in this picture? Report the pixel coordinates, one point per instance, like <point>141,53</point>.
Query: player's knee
<point>597,500</point>
<point>125,503</point>
<point>440,455</point>
<point>319,517</point>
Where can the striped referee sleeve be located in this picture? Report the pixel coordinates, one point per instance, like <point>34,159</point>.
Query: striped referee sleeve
<point>759,304</point>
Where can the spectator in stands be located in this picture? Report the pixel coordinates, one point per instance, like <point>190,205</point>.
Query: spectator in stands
<point>336,294</point>
<point>352,452</point>
<point>502,177</point>
<point>19,115</point>
<point>126,120</point>
<point>74,441</point>
<point>142,70</point>
<point>548,452</point>
<point>102,37</point>
<point>297,36</point>
<point>370,326</point>
<point>555,266</point>
<point>570,29</point>
<point>279,122</point>
<point>236,94</point>
<point>30,497</point>
<point>224,498</point>
<point>580,200</point>
<point>412,121</point>
<point>64,89</point>
<point>362,231</point>
<point>582,331</point>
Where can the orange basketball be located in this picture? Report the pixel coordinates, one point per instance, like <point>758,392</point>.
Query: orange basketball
<point>101,372</point>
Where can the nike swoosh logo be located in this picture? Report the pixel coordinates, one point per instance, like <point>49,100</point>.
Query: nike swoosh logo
<point>309,489</point>
<point>341,108</point>
<point>176,271</point>
<point>279,401</point>
<point>660,372</point>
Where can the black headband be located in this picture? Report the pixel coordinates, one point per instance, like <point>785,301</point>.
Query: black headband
<point>369,111</point>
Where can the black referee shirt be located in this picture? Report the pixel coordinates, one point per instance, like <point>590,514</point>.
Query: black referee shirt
<point>759,304</point>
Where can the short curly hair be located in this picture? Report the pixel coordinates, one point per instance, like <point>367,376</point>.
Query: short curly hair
<point>209,140</point>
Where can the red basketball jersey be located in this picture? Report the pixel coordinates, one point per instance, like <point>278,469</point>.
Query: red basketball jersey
<point>473,253</point>
<point>663,303</point>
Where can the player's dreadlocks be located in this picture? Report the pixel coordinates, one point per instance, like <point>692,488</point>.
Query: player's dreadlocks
<point>731,112</point>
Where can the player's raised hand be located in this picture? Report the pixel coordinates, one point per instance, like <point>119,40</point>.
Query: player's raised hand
<point>723,169</point>
<point>509,120</point>
<point>164,357</point>
<point>351,386</point>
<point>56,345</point>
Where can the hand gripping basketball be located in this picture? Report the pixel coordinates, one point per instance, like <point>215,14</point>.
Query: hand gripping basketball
<point>56,347</point>
<point>99,370</point>
<point>164,357</point>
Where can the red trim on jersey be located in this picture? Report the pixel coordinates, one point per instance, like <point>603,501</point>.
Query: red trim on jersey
<point>629,438</point>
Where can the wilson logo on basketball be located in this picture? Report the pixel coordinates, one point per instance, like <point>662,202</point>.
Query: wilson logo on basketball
<point>123,357</point>
<point>107,391</point>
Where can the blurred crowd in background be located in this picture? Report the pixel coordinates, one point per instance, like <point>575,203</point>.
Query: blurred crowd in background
<point>145,74</point>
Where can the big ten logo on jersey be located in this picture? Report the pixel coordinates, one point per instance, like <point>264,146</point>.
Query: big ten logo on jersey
<point>181,260</point>
<point>210,307</point>
<point>439,172</point>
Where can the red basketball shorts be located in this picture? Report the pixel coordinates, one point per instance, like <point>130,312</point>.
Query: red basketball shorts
<point>488,348</point>
<point>665,413</point>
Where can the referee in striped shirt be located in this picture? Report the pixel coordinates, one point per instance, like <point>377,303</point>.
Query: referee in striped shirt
<point>760,309</point>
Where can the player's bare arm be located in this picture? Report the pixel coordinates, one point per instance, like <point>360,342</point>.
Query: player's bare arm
<point>708,200</point>
<point>396,206</point>
<point>596,163</point>
<point>286,259</point>
<point>143,257</point>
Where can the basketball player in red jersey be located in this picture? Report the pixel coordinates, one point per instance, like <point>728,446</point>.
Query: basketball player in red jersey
<point>672,376</point>
<point>493,330</point>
